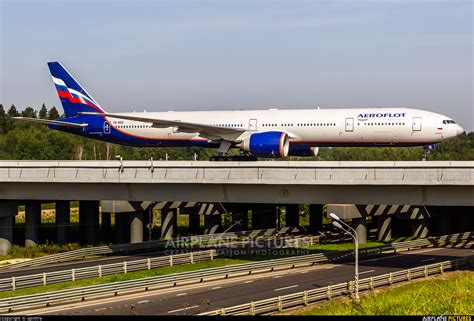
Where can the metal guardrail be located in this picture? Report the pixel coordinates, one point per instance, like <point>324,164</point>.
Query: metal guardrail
<point>304,298</point>
<point>27,281</point>
<point>199,276</point>
<point>150,245</point>
<point>45,278</point>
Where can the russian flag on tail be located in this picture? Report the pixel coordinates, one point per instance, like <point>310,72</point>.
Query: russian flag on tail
<point>74,98</point>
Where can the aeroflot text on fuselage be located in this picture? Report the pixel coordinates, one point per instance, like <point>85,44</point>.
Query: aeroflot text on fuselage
<point>257,133</point>
<point>364,117</point>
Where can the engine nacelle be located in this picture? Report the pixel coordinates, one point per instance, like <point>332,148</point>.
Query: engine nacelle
<point>303,151</point>
<point>266,144</point>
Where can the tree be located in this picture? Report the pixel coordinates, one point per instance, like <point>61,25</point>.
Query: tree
<point>29,112</point>
<point>43,113</point>
<point>4,121</point>
<point>12,112</point>
<point>53,113</point>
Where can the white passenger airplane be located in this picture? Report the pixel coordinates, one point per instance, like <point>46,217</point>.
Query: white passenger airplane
<point>257,133</point>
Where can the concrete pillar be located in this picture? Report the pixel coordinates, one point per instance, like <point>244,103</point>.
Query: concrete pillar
<point>122,229</point>
<point>212,223</point>
<point>292,215</point>
<point>63,215</point>
<point>6,234</point>
<point>360,226</point>
<point>89,213</point>
<point>194,223</point>
<point>8,210</point>
<point>420,228</point>
<point>146,223</point>
<point>264,216</point>
<point>465,219</point>
<point>106,227</point>
<point>315,217</point>
<point>136,227</point>
<point>443,224</point>
<point>384,228</point>
<point>169,223</point>
<point>32,223</point>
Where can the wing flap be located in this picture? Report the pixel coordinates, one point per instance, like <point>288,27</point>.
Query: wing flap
<point>204,130</point>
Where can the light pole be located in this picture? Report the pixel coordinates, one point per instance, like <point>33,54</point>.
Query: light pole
<point>340,224</point>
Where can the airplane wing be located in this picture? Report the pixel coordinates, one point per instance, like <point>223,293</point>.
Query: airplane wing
<point>51,122</point>
<point>211,132</point>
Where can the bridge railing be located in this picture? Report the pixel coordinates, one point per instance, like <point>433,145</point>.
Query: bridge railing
<point>448,172</point>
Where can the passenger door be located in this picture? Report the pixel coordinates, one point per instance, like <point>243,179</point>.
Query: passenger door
<point>252,124</point>
<point>106,127</point>
<point>349,124</point>
<point>416,125</point>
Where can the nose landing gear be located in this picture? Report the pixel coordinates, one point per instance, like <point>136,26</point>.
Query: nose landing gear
<point>426,151</point>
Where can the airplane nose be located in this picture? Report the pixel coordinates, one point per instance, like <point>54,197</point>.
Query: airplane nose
<point>459,130</point>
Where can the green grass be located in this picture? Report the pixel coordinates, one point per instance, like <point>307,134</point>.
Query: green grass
<point>340,246</point>
<point>39,250</point>
<point>450,294</point>
<point>124,277</point>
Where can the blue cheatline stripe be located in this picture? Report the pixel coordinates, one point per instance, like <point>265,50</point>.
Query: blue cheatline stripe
<point>60,87</point>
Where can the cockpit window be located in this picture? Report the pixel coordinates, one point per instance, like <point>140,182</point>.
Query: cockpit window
<point>449,121</point>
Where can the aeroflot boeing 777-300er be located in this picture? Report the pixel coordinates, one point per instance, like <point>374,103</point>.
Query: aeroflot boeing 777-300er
<point>257,133</point>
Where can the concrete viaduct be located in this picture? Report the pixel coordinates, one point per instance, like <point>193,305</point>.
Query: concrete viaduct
<point>438,188</point>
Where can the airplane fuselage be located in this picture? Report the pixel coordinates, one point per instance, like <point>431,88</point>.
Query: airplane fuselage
<point>305,127</point>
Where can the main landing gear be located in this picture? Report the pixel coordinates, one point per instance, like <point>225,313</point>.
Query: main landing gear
<point>224,148</point>
<point>241,158</point>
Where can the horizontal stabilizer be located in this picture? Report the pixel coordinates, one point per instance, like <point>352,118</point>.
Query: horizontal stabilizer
<point>52,122</point>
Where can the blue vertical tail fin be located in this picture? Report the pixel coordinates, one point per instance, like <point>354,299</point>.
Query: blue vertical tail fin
<point>73,96</point>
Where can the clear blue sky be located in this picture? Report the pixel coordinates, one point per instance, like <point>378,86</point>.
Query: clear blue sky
<point>206,55</point>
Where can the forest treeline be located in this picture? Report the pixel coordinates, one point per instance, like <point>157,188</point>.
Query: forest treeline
<point>21,141</point>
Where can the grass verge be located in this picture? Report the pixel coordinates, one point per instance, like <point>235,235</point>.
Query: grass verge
<point>449,294</point>
<point>341,246</point>
<point>39,250</point>
<point>123,277</point>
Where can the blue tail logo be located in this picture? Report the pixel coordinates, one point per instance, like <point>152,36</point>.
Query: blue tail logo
<point>73,96</point>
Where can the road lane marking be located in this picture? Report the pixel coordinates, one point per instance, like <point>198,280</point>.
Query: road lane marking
<point>248,281</point>
<point>304,272</point>
<point>216,287</point>
<point>367,271</point>
<point>287,287</point>
<point>144,301</point>
<point>181,294</point>
<point>278,276</point>
<point>183,309</point>
<point>100,309</point>
<point>431,259</point>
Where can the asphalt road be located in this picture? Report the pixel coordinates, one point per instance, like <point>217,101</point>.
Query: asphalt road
<point>193,299</point>
<point>61,266</point>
